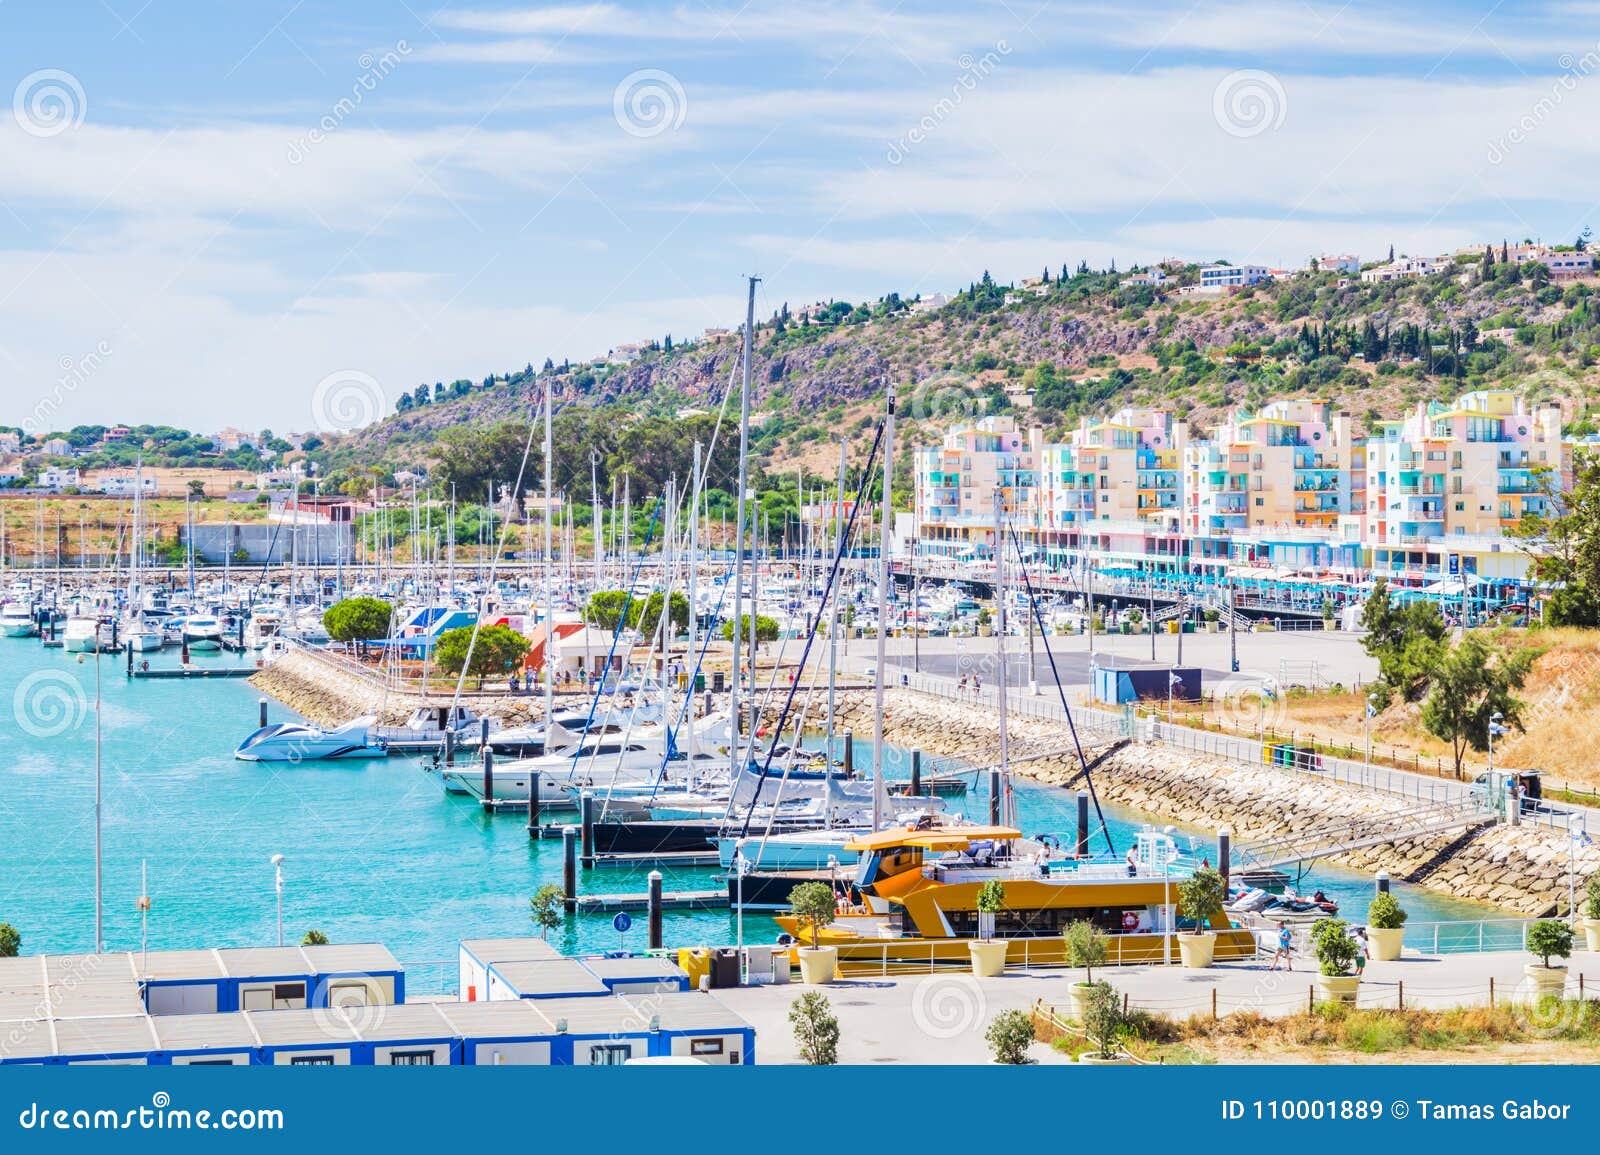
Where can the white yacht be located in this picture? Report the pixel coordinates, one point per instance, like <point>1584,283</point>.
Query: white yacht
<point>139,635</point>
<point>202,632</point>
<point>16,621</point>
<point>301,742</point>
<point>81,634</point>
<point>266,624</point>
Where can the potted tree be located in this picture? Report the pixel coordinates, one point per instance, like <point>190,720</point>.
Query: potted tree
<point>1386,920</point>
<point>1085,946</point>
<point>1591,913</point>
<point>1008,1037</point>
<point>1103,1020</point>
<point>813,906</point>
<point>1200,896</point>
<point>1336,960</point>
<point>988,952</point>
<point>816,1030</point>
<point>985,620</point>
<point>1549,939</point>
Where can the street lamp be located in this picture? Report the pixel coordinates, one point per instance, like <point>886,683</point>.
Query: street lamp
<point>1167,852</point>
<point>277,867</point>
<point>99,935</point>
<point>1172,681</point>
<point>1495,731</point>
<point>1366,730</point>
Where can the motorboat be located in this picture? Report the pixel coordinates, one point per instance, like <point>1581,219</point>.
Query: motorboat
<point>266,623</point>
<point>138,635</point>
<point>16,621</point>
<point>81,634</point>
<point>301,742</point>
<point>202,632</point>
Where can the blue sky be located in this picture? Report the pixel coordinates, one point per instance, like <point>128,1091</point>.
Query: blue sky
<point>206,209</point>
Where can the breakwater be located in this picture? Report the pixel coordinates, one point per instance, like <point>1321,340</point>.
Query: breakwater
<point>1523,869</point>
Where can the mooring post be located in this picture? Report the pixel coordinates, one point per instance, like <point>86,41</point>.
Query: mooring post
<point>488,777</point>
<point>1083,824</point>
<point>569,867</point>
<point>261,710</point>
<point>653,916</point>
<point>1382,881</point>
<point>586,816</point>
<point>533,804</point>
<point>916,773</point>
<point>849,754</point>
<point>449,748</point>
<point>994,798</point>
<point>1225,856</point>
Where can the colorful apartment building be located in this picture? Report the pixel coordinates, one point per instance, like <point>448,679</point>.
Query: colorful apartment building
<point>1287,467</point>
<point>1127,468</point>
<point>957,481</point>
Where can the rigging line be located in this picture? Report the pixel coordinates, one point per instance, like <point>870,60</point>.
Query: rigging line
<point>827,591</point>
<point>1044,639</point>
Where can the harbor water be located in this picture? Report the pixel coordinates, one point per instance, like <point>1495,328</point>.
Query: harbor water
<point>374,849</point>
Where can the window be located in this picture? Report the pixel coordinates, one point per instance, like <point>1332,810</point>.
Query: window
<point>411,1059</point>
<point>311,1061</point>
<point>705,1046</point>
<point>610,1054</point>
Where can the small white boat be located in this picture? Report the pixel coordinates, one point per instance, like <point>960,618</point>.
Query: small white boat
<point>138,635</point>
<point>16,621</point>
<point>202,632</point>
<point>266,623</point>
<point>300,742</point>
<point>81,634</point>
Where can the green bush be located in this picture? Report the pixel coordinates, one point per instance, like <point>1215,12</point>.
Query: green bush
<point>1200,896</point>
<point>1103,1018</point>
<point>1549,938</point>
<point>1384,912</point>
<point>1333,946</point>
<point>1591,905</point>
<point>1008,1037</point>
<point>10,940</point>
<point>816,1030</point>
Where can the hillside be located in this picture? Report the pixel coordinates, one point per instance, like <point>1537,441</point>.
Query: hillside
<point>1078,346</point>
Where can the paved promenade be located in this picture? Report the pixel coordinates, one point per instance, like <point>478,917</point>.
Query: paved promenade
<point>941,1018</point>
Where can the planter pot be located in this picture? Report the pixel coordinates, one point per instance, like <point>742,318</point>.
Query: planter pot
<point>1591,932</point>
<point>1090,1059</point>
<point>986,631</point>
<point>1385,943</point>
<point>1212,627</point>
<point>1197,950</point>
<point>1545,981</point>
<point>1338,988</point>
<point>817,964</point>
<point>988,958</point>
<point>1078,996</point>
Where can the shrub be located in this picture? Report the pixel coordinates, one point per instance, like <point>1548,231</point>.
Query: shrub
<point>1384,912</point>
<point>1200,895</point>
<point>816,1030</point>
<point>1085,946</point>
<point>545,908</point>
<point>314,937</point>
<point>1103,1018</point>
<point>1549,938</point>
<point>812,903</point>
<point>1008,1037</point>
<point>1334,948</point>
<point>10,940</point>
<point>1591,905</point>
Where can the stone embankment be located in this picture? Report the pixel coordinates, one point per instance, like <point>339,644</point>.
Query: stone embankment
<point>325,692</point>
<point>1524,869</point>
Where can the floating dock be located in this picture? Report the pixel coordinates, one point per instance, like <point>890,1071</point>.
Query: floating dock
<point>196,672</point>
<point>670,900</point>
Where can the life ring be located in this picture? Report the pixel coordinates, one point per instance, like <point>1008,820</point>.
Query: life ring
<point>1130,921</point>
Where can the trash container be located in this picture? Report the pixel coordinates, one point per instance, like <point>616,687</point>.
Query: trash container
<point>696,963</point>
<point>719,681</point>
<point>758,964</point>
<point>724,968</point>
<point>699,683</point>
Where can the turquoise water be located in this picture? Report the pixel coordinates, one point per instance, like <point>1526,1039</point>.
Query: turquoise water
<point>375,851</point>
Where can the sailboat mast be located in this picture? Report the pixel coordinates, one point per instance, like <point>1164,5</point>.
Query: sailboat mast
<point>1004,807</point>
<point>549,671</point>
<point>879,790</point>
<point>833,603</point>
<point>735,634</point>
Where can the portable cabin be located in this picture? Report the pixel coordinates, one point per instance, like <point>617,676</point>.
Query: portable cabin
<point>614,1030</point>
<point>302,1038</point>
<point>637,974</point>
<point>510,1033</point>
<point>204,1040</point>
<point>562,978</point>
<point>1121,681</point>
<point>476,955</point>
<point>298,977</point>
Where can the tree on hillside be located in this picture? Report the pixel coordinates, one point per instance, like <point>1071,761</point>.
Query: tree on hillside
<point>1472,683</point>
<point>358,620</point>
<point>473,459</point>
<point>1566,543</point>
<point>498,650</point>
<point>1408,640</point>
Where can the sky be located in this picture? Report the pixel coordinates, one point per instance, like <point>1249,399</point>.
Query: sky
<point>286,213</point>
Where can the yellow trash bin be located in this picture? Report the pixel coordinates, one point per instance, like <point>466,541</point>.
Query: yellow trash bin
<point>696,963</point>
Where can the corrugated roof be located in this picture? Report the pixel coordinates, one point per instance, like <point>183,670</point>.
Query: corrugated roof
<point>104,1036</point>
<point>639,967</point>
<point>209,1032</point>
<point>560,976</point>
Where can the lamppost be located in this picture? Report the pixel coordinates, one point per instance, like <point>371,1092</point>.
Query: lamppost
<point>1366,731</point>
<point>1513,807</point>
<point>1167,852</point>
<point>277,867</point>
<point>99,935</point>
<point>1172,681</point>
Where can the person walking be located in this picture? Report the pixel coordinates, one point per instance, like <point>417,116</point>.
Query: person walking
<point>1285,949</point>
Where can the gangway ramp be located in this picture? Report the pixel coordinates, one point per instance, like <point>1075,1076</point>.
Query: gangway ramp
<point>1306,846</point>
